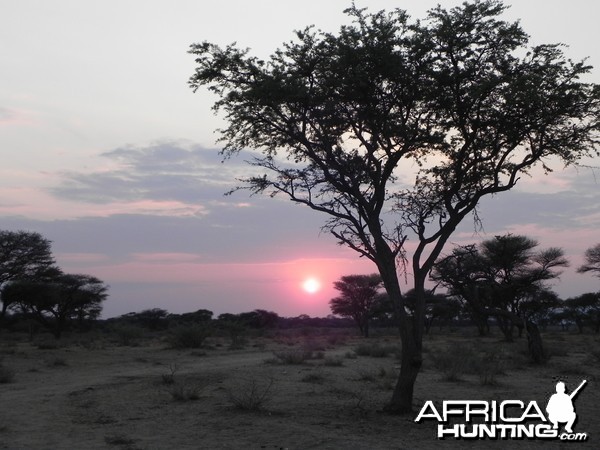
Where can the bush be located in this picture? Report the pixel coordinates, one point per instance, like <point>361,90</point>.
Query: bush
<point>127,335</point>
<point>452,365</point>
<point>488,367</point>
<point>192,336</point>
<point>374,350</point>
<point>251,395</point>
<point>293,356</point>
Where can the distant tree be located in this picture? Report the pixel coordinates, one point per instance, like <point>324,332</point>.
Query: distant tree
<point>592,261</point>
<point>437,307</point>
<point>23,255</point>
<point>342,119</point>
<point>504,277</point>
<point>153,319</point>
<point>202,315</point>
<point>259,318</point>
<point>358,296</point>
<point>584,309</point>
<point>56,301</point>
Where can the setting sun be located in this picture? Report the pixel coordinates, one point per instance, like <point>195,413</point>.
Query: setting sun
<point>311,285</point>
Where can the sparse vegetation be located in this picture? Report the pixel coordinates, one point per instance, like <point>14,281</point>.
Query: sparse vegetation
<point>374,349</point>
<point>190,336</point>
<point>250,395</point>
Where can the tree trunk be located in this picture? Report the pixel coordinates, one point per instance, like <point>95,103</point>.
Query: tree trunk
<point>411,334</point>
<point>402,398</point>
<point>534,341</point>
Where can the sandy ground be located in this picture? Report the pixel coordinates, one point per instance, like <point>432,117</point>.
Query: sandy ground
<point>97,394</point>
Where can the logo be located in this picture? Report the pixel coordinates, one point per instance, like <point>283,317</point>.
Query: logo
<point>508,419</point>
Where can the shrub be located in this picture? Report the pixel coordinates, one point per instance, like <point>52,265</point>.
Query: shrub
<point>192,336</point>
<point>452,365</point>
<point>374,350</point>
<point>293,356</point>
<point>488,367</point>
<point>127,335</point>
<point>169,378</point>
<point>250,395</point>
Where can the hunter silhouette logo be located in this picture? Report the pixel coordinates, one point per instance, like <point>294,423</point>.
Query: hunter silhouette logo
<point>508,419</point>
<point>560,406</point>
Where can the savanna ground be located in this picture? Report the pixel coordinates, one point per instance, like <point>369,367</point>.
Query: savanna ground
<point>295,389</point>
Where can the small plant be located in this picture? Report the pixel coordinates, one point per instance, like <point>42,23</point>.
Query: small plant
<point>169,378</point>
<point>251,395</point>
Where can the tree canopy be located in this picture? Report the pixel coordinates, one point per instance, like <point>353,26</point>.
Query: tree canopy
<point>592,261</point>
<point>358,298</point>
<point>339,122</point>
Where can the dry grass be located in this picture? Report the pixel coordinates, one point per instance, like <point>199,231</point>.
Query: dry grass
<point>130,398</point>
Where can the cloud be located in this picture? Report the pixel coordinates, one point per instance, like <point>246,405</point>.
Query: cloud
<point>162,172</point>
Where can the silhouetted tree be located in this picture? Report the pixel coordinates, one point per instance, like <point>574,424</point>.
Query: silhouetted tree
<point>23,254</point>
<point>55,301</point>
<point>592,261</point>
<point>437,306</point>
<point>584,308</point>
<point>153,319</point>
<point>359,295</point>
<point>340,119</point>
<point>505,278</point>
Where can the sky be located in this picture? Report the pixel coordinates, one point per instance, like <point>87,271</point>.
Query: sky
<point>108,153</point>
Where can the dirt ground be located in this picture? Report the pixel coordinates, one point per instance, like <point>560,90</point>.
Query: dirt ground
<point>91,393</point>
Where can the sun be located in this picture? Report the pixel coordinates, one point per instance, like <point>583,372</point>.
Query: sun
<point>311,285</point>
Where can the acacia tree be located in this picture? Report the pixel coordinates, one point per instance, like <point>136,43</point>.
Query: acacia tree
<point>55,301</point>
<point>358,298</point>
<point>23,254</point>
<point>592,261</point>
<point>338,121</point>
<point>504,277</point>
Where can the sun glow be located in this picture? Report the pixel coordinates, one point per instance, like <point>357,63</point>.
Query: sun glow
<point>311,285</point>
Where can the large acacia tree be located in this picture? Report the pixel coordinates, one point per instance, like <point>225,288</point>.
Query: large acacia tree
<point>341,123</point>
<point>23,254</point>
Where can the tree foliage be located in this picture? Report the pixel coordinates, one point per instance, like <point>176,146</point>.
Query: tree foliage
<point>340,121</point>
<point>358,299</point>
<point>505,277</point>
<point>23,255</point>
<point>57,299</point>
<point>592,261</point>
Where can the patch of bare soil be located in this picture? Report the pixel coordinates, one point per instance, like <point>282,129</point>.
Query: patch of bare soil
<point>302,393</point>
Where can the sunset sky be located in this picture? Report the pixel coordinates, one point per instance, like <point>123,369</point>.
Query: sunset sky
<point>108,153</point>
